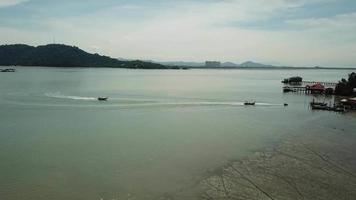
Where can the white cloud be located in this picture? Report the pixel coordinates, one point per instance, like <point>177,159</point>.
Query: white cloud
<point>5,3</point>
<point>195,31</point>
<point>338,21</point>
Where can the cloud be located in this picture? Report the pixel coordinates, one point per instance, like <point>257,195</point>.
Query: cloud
<point>6,3</point>
<point>198,31</point>
<point>337,22</point>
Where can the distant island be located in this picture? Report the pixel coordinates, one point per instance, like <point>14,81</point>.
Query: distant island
<point>217,64</point>
<point>59,55</point>
<point>232,65</point>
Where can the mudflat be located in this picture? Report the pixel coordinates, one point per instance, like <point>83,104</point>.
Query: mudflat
<point>310,166</point>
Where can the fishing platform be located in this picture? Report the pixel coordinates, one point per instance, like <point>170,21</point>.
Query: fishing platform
<point>311,87</point>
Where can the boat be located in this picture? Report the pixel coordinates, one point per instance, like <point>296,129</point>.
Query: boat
<point>318,104</point>
<point>285,104</point>
<point>339,109</point>
<point>103,98</point>
<point>315,103</point>
<point>250,103</point>
<point>7,70</point>
<point>287,89</point>
<point>320,107</point>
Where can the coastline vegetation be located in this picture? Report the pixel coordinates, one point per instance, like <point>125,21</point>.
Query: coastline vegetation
<point>59,55</point>
<point>346,87</point>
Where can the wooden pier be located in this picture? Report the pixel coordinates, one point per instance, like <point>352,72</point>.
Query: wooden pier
<point>306,90</point>
<point>310,87</point>
<point>295,89</point>
<point>329,84</point>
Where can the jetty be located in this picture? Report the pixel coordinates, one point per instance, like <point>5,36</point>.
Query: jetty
<point>330,84</point>
<point>311,87</point>
<point>300,89</point>
<point>297,80</point>
<point>315,89</point>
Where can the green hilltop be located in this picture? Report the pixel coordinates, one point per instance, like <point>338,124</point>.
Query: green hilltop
<point>59,55</point>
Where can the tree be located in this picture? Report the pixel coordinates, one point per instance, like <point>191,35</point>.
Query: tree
<point>346,87</point>
<point>57,55</point>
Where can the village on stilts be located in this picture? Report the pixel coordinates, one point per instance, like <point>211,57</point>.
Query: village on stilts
<point>345,101</point>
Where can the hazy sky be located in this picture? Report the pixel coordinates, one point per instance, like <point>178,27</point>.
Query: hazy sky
<point>286,32</point>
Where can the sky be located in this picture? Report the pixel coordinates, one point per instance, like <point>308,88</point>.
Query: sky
<point>279,32</point>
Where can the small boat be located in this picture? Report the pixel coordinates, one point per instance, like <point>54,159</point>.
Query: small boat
<point>344,101</point>
<point>250,103</point>
<point>287,89</point>
<point>7,70</point>
<point>339,109</point>
<point>103,98</point>
<point>318,104</point>
<point>285,104</point>
<point>320,107</point>
<point>314,103</point>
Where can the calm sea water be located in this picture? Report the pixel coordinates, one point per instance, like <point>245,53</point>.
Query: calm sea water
<point>159,134</point>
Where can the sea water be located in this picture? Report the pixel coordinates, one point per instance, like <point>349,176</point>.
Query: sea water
<point>158,135</point>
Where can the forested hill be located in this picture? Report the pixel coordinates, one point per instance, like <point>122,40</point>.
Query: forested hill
<point>58,55</point>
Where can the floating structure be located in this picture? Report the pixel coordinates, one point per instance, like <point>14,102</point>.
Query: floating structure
<point>315,87</point>
<point>310,89</point>
<point>341,106</point>
<point>324,106</point>
<point>296,84</point>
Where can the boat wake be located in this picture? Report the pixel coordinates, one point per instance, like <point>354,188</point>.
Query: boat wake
<point>60,96</point>
<point>203,103</point>
<point>124,102</point>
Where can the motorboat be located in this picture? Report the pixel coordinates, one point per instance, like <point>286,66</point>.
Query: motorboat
<point>339,109</point>
<point>315,103</point>
<point>7,70</point>
<point>103,98</point>
<point>287,89</point>
<point>320,107</point>
<point>250,103</point>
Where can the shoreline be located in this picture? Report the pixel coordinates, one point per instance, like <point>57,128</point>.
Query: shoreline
<point>190,68</point>
<point>311,166</point>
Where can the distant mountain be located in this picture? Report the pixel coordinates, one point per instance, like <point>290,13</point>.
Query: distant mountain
<point>253,64</point>
<point>58,55</point>
<point>223,65</point>
<point>182,63</point>
<point>229,64</point>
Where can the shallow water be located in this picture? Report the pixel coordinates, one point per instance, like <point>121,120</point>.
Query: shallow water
<point>160,132</point>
